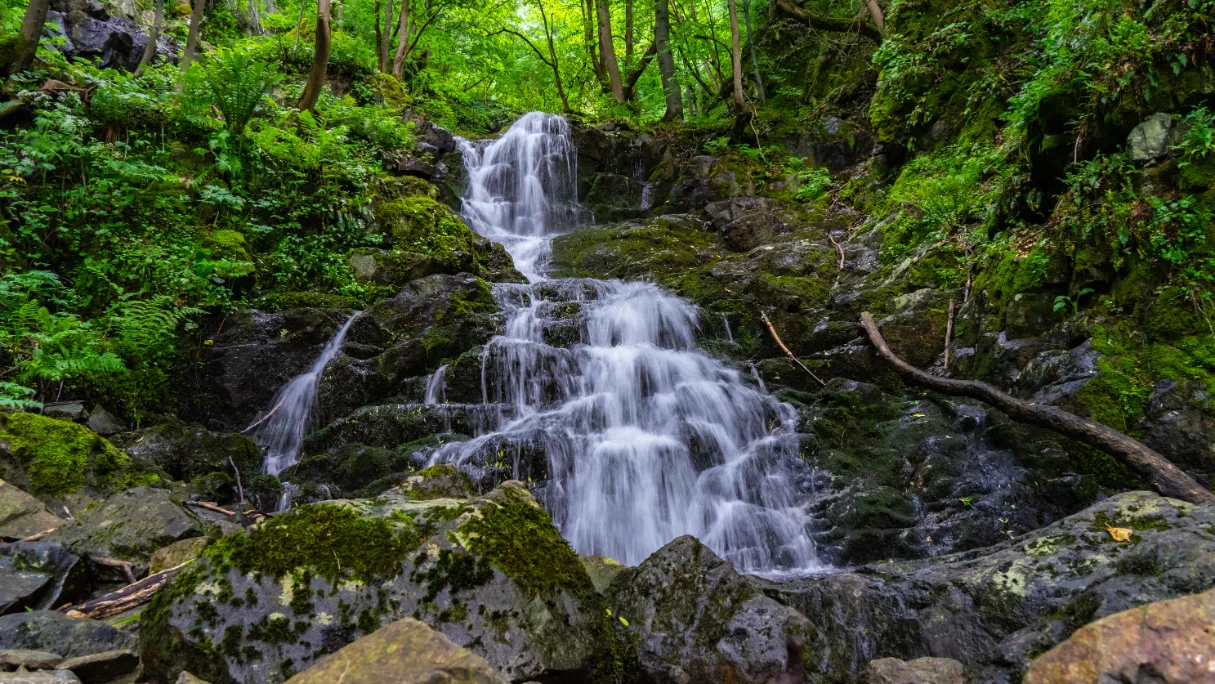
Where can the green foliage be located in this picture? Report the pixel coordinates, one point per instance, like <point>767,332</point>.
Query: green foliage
<point>235,81</point>
<point>1198,143</point>
<point>60,457</point>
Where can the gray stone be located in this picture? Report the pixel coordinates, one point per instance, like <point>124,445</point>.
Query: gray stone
<point>129,526</point>
<point>1149,140</point>
<point>54,632</point>
<point>695,619</point>
<point>41,677</point>
<point>16,658</point>
<point>21,515</point>
<point>106,666</point>
<point>38,575</point>
<point>68,410</point>
<point>187,678</point>
<point>105,423</point>
<point>918,671</point>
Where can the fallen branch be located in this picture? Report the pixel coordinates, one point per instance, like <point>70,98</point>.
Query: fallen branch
<point>39,536</point>
<point>264,418</point>
<point>1165,478</point>
<point>124,599</point>
<point>839,250</point>
<point>825,23</point>
<point>240,490</point>
<point>210,507</point>
<point>948,333</point>
<point>785,349</point>
<point>126,566</point>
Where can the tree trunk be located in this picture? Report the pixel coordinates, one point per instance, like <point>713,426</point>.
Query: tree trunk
<point>736,56</point>
<point>387,35</point>
<point>552,56</point>
<point>255,19</point>
<point>299,21</point>
<point>1165,477</point>
<point>187,55</point>
<point>341,13</point>
<point>588,35</point>
<point>628,32</point>
<point>875,13</point>
<point>398,60</point>
<point>822,23</point>
<point>320,61</point>
<point>759,82</point>
<point>31,34</point>
<point>609,52</point>
<point>666,60</point>
<point>149,51</point>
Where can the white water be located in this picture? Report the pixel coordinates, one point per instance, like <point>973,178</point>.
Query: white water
<point>282,433</point>
<point>646,437</point>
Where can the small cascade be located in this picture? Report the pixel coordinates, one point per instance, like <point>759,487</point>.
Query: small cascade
<point>643,436</point>
<point>436,395</point>
<point>725,322</point>
<point>281,431</point>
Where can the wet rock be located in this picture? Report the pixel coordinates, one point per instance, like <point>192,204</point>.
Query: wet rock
<point>1149,140</point>
<point>602,570</point>
<point>97,668</point>
<point>54,632</point>
<point>39,575</point>
<point>442,481</point>
<point>406,651</point>
<point>695,619</point>
<point>1168,642</point>
<point>995,609</point>
<point>1176,425</point>
<point>105,423</point>
<point>304,584</point>
<point>613,197</point>
<point>129,526</point>
<point>253,354</point>
<point>16,658</point>
<point>186,452</point>
<point>918,671</point>
<point>21,515</point>
<point>747,223</point>
<point>177,553</point>
<point>68,410</point>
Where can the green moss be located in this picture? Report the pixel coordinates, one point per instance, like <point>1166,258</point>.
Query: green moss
<point>423,225</point>
<point>60,457</point>
<point>281,301</point>
<point>519,538</point>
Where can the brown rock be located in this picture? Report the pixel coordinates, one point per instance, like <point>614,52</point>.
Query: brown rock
<point>404,652</point>
<point>918,671</point>
<point>187,678</point>
<point>15,658</point>
<point>1170,641</point>
<point>21,515</point>
<point>102,667</point>
<point>41,677</point>
<point>177,553</point>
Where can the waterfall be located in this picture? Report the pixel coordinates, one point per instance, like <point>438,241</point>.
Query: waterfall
<point>645,437</point>
<point>281,431</point>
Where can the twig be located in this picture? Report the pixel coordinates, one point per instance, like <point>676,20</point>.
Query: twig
<point>126,598</point>
<point>1165,478</point>
<point>948,333</point>
<point>125,566</point>
<point>265,417</point>
<point>209,507</point>
<point>39,536</point>
<point>240,490</point>
<point>785,349</point>
<point>838,248</point>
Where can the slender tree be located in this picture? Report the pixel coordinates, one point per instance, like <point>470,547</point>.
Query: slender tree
<point>398,61</point>
<point>608,50</point>
<point>387,37</point>
<point>588,35</point>
<point>149,50</point>
<point>187,55</point>
<point>299,22</point>
<point>666,60</point>
<point>320,60</point>
<point>759,81</point>
<point>736,56</point>
<point>628,32</point>
<point>31,34</point>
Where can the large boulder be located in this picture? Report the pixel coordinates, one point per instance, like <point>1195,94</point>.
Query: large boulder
<point>21,515</point>
<point>490,573</point>
<point>404,652</point>
<point>995,609</point>
<point>1169,642</point>
<point>129,526</point>
<point>109,34</point>
<point>187,452</point>
<point>693,618</point>
<point>38,575</point>
<point>54,632</point>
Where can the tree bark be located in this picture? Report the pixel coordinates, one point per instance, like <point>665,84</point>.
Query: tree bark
<point>628,32</point>
<point>187,55</point>
<point>588,35</point>
<point>608,50</point>
<point>149,51</point>
<point>630,80</point>
<point>398,61</point>
<point>759,82</point>
<point>822,23</point>
<point>1165,478</point>
<point>736,57</point>
<point>552,55</point>
<point>299,21</point>
<point>666,60</point>
<point>320,60</point>
<point>387,37</point>
<point>31,34</point>
<point>875,13</point>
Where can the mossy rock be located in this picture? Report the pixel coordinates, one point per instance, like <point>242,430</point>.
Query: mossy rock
<point>442,481</point>
<point>51,458</point>
<point>261,606</point>
<point>187,452</point>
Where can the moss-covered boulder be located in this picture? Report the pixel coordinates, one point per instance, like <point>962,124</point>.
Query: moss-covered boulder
<point>52,458</point>
<point>490,573</point>
<point>187,452</point>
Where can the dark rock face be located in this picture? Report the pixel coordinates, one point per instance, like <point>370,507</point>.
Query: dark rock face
<point>490,573</point>
<point>187,452</point>
<point>995,609</point>
<point>116,42</point>
<point>39,575</point>
<point>54,632</point>
<point>697,620</point>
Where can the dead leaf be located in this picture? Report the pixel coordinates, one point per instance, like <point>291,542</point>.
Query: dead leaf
<point>1120,534</point>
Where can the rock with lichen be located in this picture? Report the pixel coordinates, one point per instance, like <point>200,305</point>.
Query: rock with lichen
<point>491,573</point>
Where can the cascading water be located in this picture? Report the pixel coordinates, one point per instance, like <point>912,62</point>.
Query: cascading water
<point>645,437</point>
<point>281,431</point>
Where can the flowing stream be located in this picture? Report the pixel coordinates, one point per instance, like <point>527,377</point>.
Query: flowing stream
<point>645,436</point>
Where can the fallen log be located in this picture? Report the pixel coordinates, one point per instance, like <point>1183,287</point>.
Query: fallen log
<point>825,23</point>
<point>1166,478</point>
<point>126,598</point>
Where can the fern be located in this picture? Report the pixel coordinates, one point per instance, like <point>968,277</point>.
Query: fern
<point>17,397</point>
